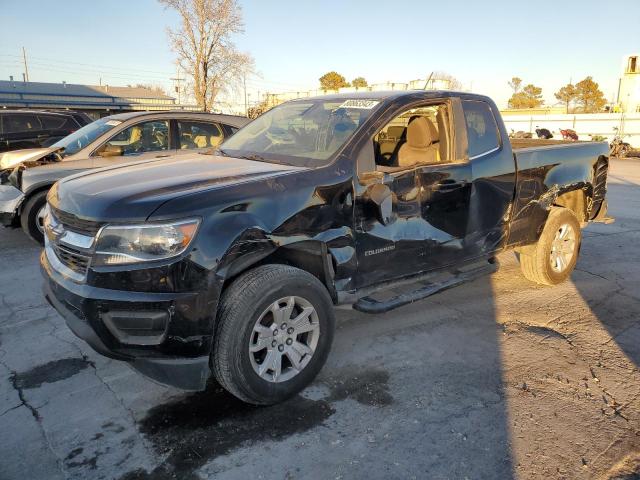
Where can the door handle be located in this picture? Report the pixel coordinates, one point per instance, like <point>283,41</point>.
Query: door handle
<point>448,185</point>
<point>163,156</point>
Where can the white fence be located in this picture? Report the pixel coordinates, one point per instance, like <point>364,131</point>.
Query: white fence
<point>584,124</point>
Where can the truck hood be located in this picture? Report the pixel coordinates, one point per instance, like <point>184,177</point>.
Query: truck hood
<point>133,192</point>
<point>13,158</point>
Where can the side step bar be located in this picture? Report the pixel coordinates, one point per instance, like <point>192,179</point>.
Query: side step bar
<point>370,305</point>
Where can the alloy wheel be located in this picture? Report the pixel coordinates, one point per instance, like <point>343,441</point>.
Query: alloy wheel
<point>563,248</point>
<point>284,339</point>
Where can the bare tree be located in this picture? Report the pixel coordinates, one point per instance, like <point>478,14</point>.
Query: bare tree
<point>205,49</point>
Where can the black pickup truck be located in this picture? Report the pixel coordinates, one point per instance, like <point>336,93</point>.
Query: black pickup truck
<point>230,264</point>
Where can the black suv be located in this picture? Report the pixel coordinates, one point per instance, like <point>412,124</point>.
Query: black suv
<point>33,129</point>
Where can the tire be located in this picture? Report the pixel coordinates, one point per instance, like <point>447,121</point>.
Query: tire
<point>30,216</point>
<point>248,303</point>
<point>539,263</point>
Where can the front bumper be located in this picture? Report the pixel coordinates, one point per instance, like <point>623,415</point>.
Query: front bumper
<point>10,200</point>
<point>85,309</point>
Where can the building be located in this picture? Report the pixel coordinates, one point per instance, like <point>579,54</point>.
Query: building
<point>629,87</point>
<point>95,100</point>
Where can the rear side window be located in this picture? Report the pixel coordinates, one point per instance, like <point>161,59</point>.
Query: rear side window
<point>20,123</point>
<point>482,130</point>
<point>52,122</point>
<point>199,135</point>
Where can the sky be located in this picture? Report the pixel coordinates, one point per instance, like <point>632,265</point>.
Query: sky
<point>482,43</point>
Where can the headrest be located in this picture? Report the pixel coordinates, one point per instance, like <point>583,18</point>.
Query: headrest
<point>136,134</point>
<point>200,141</point>
<point>395,131</point>
<point>420,133</point>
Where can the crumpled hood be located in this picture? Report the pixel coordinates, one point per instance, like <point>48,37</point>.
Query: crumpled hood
<point>13,158</point>
<point>133,192</point>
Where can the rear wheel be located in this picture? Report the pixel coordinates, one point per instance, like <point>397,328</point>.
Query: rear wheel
<point>32,217</point>
<point>552,259</point>
<point>274,333</point>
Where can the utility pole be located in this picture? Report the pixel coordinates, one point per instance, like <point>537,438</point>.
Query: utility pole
<point>26,69</point>
<point>177,81</point>
<point>244,84</point>
<point>177,87</point>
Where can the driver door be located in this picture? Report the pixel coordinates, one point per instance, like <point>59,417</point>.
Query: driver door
<point>389,242</point>
<point>413,202</point>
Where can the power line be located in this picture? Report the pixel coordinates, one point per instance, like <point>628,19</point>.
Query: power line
<point>52,64</point>
<point>93,65</point>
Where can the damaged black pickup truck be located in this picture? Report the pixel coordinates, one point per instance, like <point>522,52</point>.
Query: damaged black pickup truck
<point>230,264</point>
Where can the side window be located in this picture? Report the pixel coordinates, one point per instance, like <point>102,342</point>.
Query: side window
<point>419,136</point>
<point>143,137</point>
<point>21,123</point>
<point>482,130</point>
<point>52,122</point>
<point>199,135</point>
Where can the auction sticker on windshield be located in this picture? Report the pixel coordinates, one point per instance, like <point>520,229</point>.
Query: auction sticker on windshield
<point>113,123</point>
<point>364,104</point>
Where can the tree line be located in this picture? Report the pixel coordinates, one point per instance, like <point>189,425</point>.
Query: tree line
<point>584,97</point>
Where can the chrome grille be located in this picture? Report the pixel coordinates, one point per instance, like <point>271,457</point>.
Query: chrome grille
<point>71,258</point>
<point>76,224</point>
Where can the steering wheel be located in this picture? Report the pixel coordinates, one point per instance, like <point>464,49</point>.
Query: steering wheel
<point>280,136</point>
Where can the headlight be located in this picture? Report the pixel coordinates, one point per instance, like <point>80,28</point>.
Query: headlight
<point>122,244</point>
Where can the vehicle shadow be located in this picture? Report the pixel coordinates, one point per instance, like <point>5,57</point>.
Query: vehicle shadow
<point>414,393</point>
<point>608,273</point>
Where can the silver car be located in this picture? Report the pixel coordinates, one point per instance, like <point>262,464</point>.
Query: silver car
<point>27,175</point>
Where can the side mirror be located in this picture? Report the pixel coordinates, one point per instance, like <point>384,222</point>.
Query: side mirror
<point>110,151</point>
<point>381,197</point>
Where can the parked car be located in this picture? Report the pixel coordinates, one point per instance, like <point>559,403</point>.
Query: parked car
<point>543,133</point>
<point>27,175</point>
<point>21,129</point>
<point>231,265</point>
<point>569,134</point>
<point>618,147</point>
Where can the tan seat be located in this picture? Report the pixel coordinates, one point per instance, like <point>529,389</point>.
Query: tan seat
<point>136,135</point>
<point>215,140</point>
<point>419,147</point>
<point>201,141</point>
<point>388,144</point>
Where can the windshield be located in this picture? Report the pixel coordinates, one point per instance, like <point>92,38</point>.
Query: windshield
<point>301,132</point>
<point>81,138</point>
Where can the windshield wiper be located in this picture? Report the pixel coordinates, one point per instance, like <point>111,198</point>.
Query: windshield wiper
<point>253,156</point>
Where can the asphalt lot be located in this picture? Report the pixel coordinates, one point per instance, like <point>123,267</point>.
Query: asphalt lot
<point>499,378</point>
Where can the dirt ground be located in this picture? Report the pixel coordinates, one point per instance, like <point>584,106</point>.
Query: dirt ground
<point>499,378</point>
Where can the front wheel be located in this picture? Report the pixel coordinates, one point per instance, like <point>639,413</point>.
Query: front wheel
<point>274,332</point>
<point>32,217</point>
<point>552,259</point>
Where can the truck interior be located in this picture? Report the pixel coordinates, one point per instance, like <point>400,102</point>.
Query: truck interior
<point>415,137</point>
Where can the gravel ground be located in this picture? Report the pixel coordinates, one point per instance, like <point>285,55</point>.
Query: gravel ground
<point>498,378</point>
